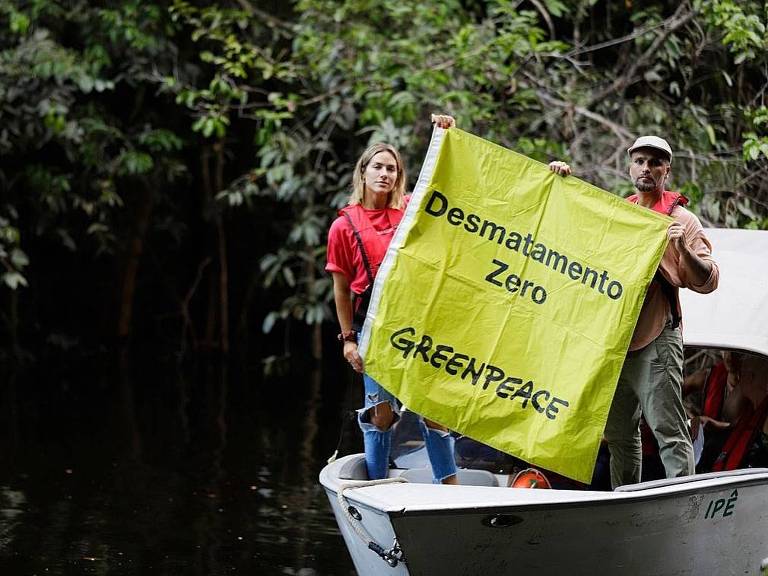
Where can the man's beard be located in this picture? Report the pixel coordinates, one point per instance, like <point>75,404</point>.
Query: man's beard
<point>644,185</point>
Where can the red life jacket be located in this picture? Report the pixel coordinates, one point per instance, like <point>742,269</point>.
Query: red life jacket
<point>714,391</point>
<point>740,439</point>
<point>665,205</point>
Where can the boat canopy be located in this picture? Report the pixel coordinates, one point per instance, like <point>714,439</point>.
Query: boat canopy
<point>734,316</point>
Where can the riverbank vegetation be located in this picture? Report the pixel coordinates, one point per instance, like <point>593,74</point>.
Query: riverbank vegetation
<point>168,170</point>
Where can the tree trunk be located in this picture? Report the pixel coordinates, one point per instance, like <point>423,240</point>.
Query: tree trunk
<point>142,218</point>
<point>218,295</point>
<point>222,248</point>
<point>317,331</point>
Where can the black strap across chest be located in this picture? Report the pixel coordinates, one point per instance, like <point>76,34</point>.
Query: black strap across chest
<point>366,262</point>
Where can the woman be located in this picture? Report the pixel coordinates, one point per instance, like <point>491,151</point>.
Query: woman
<point>357,242</point>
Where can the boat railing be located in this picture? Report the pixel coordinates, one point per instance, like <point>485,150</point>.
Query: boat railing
<point>687,479</point>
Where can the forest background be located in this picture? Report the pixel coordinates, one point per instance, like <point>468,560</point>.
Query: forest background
<point>168,170</point>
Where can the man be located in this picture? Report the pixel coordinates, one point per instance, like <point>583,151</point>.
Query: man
<point>651,379</point>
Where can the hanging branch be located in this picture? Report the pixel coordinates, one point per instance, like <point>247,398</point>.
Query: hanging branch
<point>682,16</point>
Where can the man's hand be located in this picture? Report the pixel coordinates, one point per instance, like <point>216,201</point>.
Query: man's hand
<point>676,235</point>
<point>560,168</point>
<point>443,121</point>
<point>353,357</point>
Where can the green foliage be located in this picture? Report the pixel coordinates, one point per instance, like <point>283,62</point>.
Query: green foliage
<point>756,140</point>
<point>743,25</point>
<point>239,54</point>
<point>360,84</point>
<point>66,151</point>
<point>107,107</point>
<point>12,258</point>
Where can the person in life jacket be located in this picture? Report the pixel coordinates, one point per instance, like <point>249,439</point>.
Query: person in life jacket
<point>720,403</point>
<point>651,379</point>
<point>734,408</point>
<point>357,242</point>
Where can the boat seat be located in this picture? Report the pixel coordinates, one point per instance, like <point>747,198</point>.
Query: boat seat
<point>354,469</point>
<point>466,477</point>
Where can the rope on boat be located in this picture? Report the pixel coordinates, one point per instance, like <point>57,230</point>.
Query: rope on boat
<point>393,555</point>
<point>349,416</point>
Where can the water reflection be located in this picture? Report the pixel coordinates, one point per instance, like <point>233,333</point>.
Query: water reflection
<point>164,471</point>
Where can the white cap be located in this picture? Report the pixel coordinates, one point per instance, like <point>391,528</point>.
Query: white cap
<point>652,142</point>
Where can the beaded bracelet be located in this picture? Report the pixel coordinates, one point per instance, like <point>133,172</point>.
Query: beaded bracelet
<point>347,336</point>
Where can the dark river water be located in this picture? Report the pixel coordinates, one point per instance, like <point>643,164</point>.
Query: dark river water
<point>201,470</point>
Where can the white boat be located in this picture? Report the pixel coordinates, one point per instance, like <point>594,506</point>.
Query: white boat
<point>706,524</point>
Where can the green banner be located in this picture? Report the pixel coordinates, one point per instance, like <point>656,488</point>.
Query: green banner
<point>506,302</point>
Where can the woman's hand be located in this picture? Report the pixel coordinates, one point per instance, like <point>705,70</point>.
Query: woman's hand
<point>560,168</point>
<point>353,357</point>
<point>443,121</point>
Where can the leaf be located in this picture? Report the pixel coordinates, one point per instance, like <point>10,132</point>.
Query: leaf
<point>13,280</point>
<point>19,22</point>
<point>652,76</point>
<point>556,7</point>
<point>18,258</point>
<point>290,279</point>
<point>135,162</point>
<point>710,133</point>
<point>208,127</point>
<point>267,262</point>
<point>746,209</point>
<point>97,228</point>
<point>269,322</point>
<point>66,239</point>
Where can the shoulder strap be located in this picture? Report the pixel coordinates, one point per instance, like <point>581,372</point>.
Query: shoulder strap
<point>364,255</point>
<point>676,202</point>
<point>677,199</point>
<point>669,291</point>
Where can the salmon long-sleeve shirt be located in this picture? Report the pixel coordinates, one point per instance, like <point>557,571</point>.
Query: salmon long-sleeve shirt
<point>656,311</point>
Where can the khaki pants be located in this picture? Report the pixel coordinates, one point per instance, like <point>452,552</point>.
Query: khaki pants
<point>650,384</point>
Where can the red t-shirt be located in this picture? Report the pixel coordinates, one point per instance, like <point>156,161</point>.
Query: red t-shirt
<point>376,228</point>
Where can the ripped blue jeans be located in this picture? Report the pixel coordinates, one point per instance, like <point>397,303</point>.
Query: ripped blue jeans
<point>439,444</point>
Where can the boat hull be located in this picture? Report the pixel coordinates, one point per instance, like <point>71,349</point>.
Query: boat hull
<point>703,525</point>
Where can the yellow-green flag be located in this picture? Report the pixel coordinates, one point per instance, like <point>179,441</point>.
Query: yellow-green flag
<point>506,302</point>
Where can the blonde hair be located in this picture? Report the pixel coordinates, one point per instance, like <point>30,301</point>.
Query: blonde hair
<point>358,183</point>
